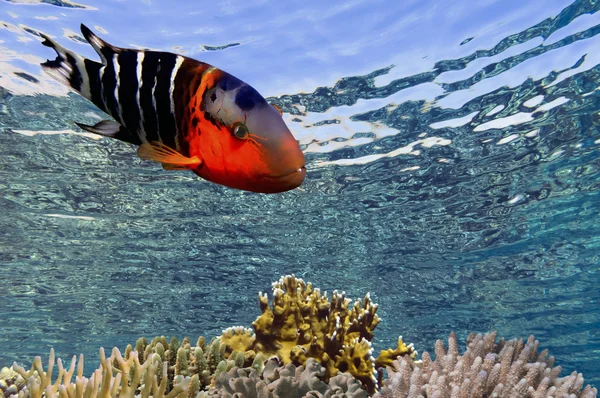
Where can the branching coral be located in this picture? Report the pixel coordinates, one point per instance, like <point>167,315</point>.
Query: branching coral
<point>117,376</point>
<point>128,377</point>
<point>511,369</point>
<point>183,358</point>
<point>302,323</point>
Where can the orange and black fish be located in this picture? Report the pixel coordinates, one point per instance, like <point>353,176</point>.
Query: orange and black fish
<point>185,114</point>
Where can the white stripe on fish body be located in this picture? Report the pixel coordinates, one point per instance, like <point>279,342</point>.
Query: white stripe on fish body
<point>102,96</point>
<point>117,68</point>
<point>178,63</point>
<point>138,69</point>
<point>154,103</point>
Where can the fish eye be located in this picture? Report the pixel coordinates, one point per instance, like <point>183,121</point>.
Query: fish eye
<point>240,131</point>
<point>277,108</point>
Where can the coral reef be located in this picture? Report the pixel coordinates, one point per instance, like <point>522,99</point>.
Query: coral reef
<point>487,368</point>
<point>302,323</point>
<point>315,348</point>
<point>128,377</point>
<point>511,369</point>
<point>183,359</point>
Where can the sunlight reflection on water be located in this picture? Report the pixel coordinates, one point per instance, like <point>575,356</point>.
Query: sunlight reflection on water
<point>457,183</point>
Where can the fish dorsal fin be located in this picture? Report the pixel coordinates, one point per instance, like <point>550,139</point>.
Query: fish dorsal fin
<point>103,48</point>
<point>170,158</point>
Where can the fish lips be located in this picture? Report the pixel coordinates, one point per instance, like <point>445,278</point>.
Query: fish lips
<point>284,182</point>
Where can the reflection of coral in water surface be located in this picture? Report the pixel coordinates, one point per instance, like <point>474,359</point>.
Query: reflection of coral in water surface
<point>463,197</point>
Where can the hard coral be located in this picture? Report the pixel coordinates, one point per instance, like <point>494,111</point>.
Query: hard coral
<point>117,376</point>
<point>511,369</point>
<point>128,377</point>
<point>302,323</point>
<point>10,382</point>
<point>200,360</point>
<point>288,381</point>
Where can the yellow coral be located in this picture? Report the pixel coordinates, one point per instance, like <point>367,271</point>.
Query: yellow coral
<point>356,359</point>
<point>386,357</point>
<point>302,323</point>
<point>239,337</point>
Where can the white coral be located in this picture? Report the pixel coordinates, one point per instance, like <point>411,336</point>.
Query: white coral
<point>507,369</point>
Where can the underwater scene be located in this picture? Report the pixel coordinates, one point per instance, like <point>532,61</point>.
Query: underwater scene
<point>425,169</point>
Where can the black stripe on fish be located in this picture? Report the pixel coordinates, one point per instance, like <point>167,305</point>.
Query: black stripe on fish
<point>147,106</point>
<point>92,69</point>
<point>75,78</point>
<point>128,88</point>
<point>162,99</point>
<point>109,83</point>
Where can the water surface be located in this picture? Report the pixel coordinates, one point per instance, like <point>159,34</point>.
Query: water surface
<point>454,173</point>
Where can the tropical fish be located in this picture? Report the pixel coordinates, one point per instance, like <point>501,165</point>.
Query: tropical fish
<point>185,114</point>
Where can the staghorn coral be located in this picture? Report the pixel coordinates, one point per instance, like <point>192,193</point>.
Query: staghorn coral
<point>511,369</point>
<point>302,323</point>
<point>117,376</point>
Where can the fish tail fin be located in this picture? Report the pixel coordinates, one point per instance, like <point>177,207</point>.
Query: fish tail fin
<point>104,49</point>
<point>68,67</point>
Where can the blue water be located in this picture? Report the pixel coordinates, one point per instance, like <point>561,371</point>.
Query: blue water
<point>453,156</point>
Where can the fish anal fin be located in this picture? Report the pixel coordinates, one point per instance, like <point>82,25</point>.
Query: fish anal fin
<point>109,128</point>
<point>169,157</point>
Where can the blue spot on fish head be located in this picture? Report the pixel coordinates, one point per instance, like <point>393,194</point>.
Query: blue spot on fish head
<point>247,98</point>
<point>229,82</point>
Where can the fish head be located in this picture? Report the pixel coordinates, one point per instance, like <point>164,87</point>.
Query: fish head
<point>259,152</point>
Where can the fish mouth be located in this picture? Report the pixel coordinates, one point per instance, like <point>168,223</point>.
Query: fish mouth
<point>289,180</point>
<point>300,172</point>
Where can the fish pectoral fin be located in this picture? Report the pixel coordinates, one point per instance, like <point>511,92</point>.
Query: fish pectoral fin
<point>168,166</point>
<point>169,157</point>
<point>111,129</point>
